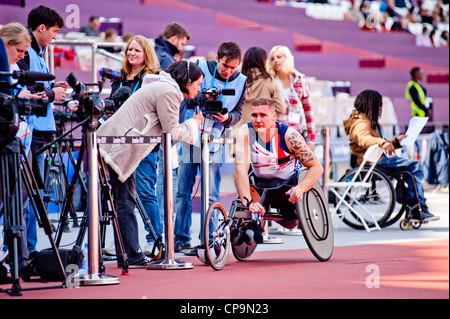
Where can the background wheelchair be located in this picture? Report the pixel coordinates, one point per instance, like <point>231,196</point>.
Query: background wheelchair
<point>374,198</point>
<point>221,230</point>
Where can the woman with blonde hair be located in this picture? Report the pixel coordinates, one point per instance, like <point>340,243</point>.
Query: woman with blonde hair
<point>298,113</point>
<point>17,40</point>
<point>140,60</point>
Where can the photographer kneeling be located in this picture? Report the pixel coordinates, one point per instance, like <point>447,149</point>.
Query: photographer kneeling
<point>152,110</point>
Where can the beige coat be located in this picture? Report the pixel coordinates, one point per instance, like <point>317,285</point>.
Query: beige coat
<point>262,88</point>
<point>151,111</point>
<point>362,135</point>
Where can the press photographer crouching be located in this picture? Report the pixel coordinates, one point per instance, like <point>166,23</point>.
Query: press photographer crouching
<point>151,111</point>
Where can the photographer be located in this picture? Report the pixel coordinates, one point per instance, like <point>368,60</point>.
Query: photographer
<point>43,25</point>
<point>220,74</point>
<point>152,110</point>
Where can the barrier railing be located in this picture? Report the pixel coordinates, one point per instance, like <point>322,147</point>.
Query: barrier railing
<point>93,44</point>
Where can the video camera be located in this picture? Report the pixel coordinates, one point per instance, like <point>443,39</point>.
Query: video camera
<point>12,107</point>
<point>86,102</point>
<point>215,106</point>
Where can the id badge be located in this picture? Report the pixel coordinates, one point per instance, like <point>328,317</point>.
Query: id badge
<point>294,116</point>
<point>23,131</point>
<point>207,126</point>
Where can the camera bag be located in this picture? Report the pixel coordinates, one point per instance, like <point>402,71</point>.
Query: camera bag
<point>45,266</point>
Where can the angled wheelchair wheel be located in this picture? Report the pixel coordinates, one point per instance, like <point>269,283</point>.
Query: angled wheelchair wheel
<point>216,234</point>
<point>315,221</point>
<point>379,199</point>
<point>240,252</point>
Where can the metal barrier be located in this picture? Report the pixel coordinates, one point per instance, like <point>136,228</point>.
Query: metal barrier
<point>93,44</point>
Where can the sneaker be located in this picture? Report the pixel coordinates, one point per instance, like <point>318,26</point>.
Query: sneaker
<point>141,263</point>
<point>179,247</point>
<point>427,216</point>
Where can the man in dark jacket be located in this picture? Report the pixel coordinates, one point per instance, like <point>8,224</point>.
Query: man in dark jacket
<point>171,43</point>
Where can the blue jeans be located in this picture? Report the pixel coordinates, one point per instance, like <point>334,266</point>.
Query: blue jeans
<point>187,172</point>
<point>145,186</point>
<point>396,163</point>
<point>31,220</point>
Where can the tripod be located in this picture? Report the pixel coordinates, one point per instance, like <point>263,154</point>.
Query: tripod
<point>16,170</point>
<point>89,144</point>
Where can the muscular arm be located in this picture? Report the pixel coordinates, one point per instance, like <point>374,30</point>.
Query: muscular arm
<point>297,145</point>
<point>242,166</point>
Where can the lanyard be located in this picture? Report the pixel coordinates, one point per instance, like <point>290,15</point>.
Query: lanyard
<point>286,98</point>
<point>135,87</point>
<point>214,77</point>
<point>379,132</point>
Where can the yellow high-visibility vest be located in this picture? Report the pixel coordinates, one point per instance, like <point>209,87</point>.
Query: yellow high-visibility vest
<point>415,109</point>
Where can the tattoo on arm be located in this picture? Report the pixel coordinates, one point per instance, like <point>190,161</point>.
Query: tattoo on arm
<point>301,151</point>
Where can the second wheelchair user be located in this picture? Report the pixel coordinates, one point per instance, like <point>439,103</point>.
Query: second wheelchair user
<point>274,151</point>
<point>364,130</point>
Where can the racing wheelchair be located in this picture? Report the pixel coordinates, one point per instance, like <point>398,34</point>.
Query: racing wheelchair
<point>222,230</point>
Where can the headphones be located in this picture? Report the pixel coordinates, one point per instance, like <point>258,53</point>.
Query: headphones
<point>189,80</point>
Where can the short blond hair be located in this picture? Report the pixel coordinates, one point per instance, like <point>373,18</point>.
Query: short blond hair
<point>14,33</point>
<point>288,66</point>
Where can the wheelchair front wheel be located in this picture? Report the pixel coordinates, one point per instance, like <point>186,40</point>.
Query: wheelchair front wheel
<point>216,236</point>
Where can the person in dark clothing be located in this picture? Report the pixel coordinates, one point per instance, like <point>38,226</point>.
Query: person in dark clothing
<point>92,27</point>
<point>418,94</point>
<point>171,43</point>
<point>43,25</point>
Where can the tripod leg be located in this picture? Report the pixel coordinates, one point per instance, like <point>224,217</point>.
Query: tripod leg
<point>13,212</point>
<point>69,195</point>
<point>107,199</point>
<point>38,205</point>
<point>158,240</point>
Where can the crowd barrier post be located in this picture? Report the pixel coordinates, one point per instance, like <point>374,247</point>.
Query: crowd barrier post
<point>93,277</point>
<point>326,157</point>
<point>169,263</point>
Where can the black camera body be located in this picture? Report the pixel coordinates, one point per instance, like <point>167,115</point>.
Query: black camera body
<point>215,106</point>
<point>11,108</point>
<point>89,103</point>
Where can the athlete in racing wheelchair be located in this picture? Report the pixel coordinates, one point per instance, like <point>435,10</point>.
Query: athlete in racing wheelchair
<point>283,183</point>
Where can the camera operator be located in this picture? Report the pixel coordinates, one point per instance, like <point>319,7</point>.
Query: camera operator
<point>220,74</point>
<point>15,41</point>
<point>153,109</point>
<point>43,25</point>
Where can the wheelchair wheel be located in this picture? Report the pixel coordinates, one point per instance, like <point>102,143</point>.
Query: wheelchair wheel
<point>379,199</point>
<point>315,221</point>
<point>216,234</point>
<point>405,224</point>
<point>243,251</point>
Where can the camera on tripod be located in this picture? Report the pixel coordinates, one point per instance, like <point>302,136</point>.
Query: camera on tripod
<point>12,107</point>
<point>215,106</point>
<point>87,102</point>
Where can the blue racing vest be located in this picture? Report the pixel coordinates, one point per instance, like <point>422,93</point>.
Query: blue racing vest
<point>229,101</point>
